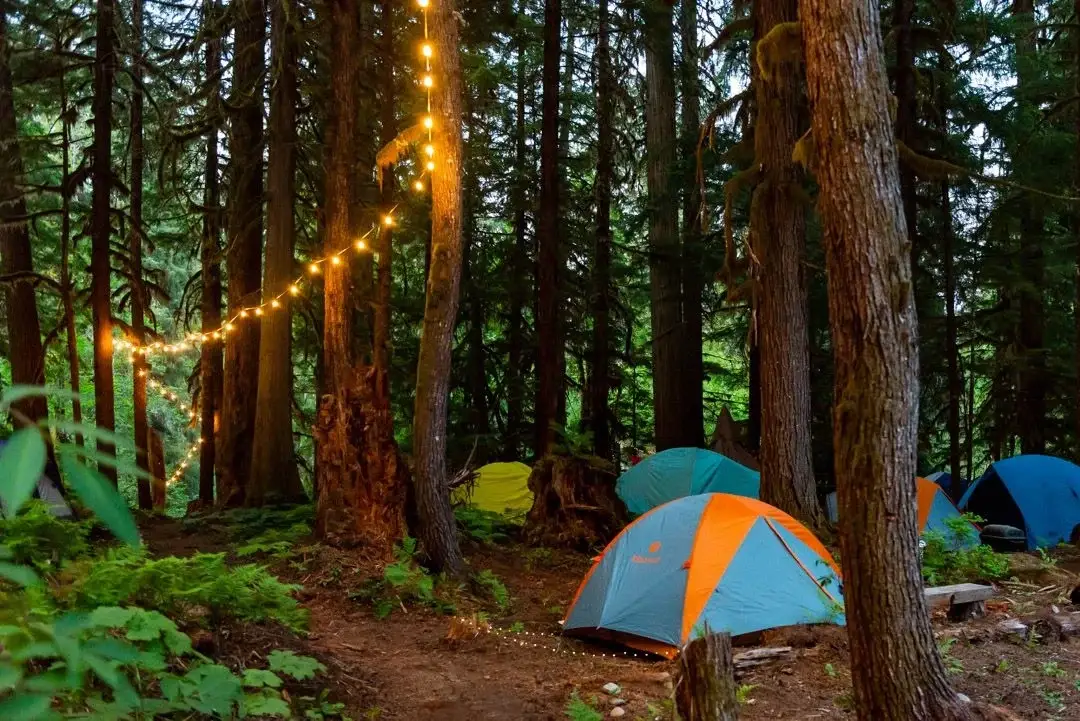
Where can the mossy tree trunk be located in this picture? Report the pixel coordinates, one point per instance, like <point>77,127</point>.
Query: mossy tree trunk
<point>778,239</point>
<point>575,504</point>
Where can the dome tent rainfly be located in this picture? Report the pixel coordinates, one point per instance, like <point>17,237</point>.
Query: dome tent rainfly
<point>936,510</point>
<point>679,472</point>
<point>717,561</point>
<point>1037,494</point>
<point>499,488</point>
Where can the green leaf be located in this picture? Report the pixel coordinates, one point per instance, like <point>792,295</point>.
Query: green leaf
<point>218,690</point>
<point>113,649</point>
<point>22,575</point>
<point>297,667</point>
<point>258,678</point>
<point>101,497</point>
<point>148,626</point>
<point>26,707</point>
<point>9,676</point>
<point>22,463</point>
<point>38,649</point>
<point>111,616</point>
<point>266,704</point>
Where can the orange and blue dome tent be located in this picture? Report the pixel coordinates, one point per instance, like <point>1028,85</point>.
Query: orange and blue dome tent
<point>935,512</point>
<point>717,561</point>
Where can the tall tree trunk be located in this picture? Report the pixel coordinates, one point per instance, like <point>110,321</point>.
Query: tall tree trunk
<point>550,383</point>
<point>210,362</point>
<point>67,284</point>
<point>139,298</point>
<point>753,423</point>
<point>438,530</point>
<point>24,328</point>
<point>519,281</point>
<point>778,237</point>
<point>896,671</point>
<point>952,352</point>
<point>362,480</point>
<point>243,256</point>
<point>384,242</point>
<point>472,284</point>
<point>1031,329</point>
<point>101,229</point>
<point>664,252</point>
<point>692,370</point>
<point>1076,219</point>
<point>274,477</point>
<point>600,362</point>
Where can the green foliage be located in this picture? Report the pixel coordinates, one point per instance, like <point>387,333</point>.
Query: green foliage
<point>185,587</point>
<point>830,670</point>
<point>279,543</point>
<point>952,664</point>
<point>288,663</point>
<point>578,710</point>
<point>35,537</point>
<point>947,557</point>
<point>404,582</point>
<point>484,526</point>
<point>742,694</point>
<point>1052,669</point>
<point>493,586</point>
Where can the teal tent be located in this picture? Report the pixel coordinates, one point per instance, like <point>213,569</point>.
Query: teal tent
<point>680,472</point>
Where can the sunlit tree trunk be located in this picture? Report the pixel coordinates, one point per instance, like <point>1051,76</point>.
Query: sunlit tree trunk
<point>16,261</point>
<point>664,247</point>
<point>67,283</point>
<point>139,297</point>
<point>778,238</point>
<point>548,322</point>
<point>384,242</point>
<point>437,528</point>
<point>210,360</point>
<point>896,671</point>
<point>101,228</point>
<point>243,252</point>
<point>274,477</point>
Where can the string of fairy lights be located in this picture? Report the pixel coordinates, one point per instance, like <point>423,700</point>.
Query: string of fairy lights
<point>255,313</point>
<point>553,642</point>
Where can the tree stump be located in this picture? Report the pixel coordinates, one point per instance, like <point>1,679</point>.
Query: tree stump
<point>575,503</point>
<point>705,688</point>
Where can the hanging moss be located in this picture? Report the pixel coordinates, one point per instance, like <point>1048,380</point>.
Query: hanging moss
<point>781,46</point>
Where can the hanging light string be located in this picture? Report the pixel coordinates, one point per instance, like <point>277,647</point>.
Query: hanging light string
<point>427,82</point>
<point>549,642</point>
<point>179,404</point>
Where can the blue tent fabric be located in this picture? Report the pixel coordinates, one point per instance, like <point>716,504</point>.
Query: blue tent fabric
<point>941,511</point>
<point>1039,494</point>
<point>680,472</point>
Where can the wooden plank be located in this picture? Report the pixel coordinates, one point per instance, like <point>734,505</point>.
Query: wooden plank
<point>959,594</point>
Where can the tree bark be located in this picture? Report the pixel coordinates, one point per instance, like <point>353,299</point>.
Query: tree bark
<point>520,276</point>
<point>778,237</point>
<point>1032,382</point>
<point>896,671</point>
<point>67,284</point>
<point>548,321</point>
<point>438,530</point>
<point>243,254</point>
<point>1076,218</point>
<point>101,229</point>
<point>600,362</point>
<point>155,461</point>
<point>664,247</point>
<point>210,361</point>
<point>274,477</point>
<point>705,688</point>
<point>952,352</point>
<point>139,298</point>
<point>384,242</point>
<point>692,369</point>
<point>24,327</point>
<point>476,386</point>
<point>362,479</point>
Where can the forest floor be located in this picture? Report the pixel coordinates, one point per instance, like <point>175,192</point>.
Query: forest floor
<point>405,666</point>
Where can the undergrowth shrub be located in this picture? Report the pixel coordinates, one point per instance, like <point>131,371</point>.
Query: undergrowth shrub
<point>494,588</point>
<point>404,582</point>
<point>279,543</point>
<point>202,585</point>
<point>248,523</point>
<point>35,537</point>
<point>485,526</point>
<point>950,557</point>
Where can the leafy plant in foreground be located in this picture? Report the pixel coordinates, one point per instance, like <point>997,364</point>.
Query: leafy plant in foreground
<point>951,558</point>
<point>404,581</point>
<point>35,537</point>
<point>578,710</point>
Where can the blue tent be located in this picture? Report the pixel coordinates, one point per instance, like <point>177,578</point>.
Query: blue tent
<point>679,472</point>
<point>1039,494</point>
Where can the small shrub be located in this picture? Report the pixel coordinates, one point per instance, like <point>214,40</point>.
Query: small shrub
<point>279,543</point>
<point>484,526</point>
<point>1052,669</point>
<point>742,694</point>
<point>947,557</point>
<point>493,586</point>
<point>578,710</point>
<point>35,537</point>
<point>404,581</point>
<point>184,587</point>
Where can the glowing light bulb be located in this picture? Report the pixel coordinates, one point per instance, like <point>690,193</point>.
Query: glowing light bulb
<point>229,326</point>
<point>426,50</point>
<point>361,245</point>
<point>430,150</point>
<point>419,187</point>
<point>314,268</point>
<point>422,3</point>
<point>431,165</point>
<point>336,260</point>
<point>243,314</point>
<point>294,290</point>
<point>428,81</point>
<point>275,303</point>
<point>429,122</point>
<point>388,220</point>
<point>258,311</point>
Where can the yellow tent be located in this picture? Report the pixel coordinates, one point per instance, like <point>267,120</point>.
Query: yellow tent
<point>501,488</point>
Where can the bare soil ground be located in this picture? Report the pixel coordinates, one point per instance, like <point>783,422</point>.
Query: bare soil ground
<point>405,668</point>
